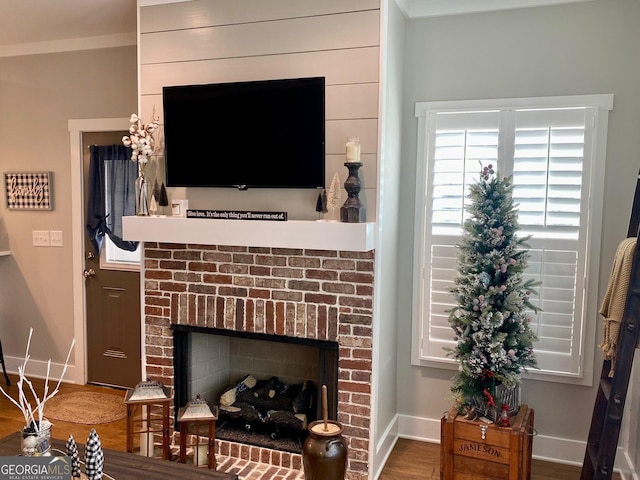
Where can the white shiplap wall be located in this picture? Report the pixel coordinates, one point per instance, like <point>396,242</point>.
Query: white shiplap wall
<point>212,41</point>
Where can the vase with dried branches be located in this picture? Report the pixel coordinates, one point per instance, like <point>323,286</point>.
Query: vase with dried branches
<point>142,144</point>
<point>36,434</point>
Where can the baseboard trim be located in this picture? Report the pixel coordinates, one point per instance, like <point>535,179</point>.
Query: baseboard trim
<point>384,447</point>
<point>38,369</point>
<point>626,468</point>
<point>419,428</point>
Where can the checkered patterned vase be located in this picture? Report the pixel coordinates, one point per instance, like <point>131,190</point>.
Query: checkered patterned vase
<point>93,457</point>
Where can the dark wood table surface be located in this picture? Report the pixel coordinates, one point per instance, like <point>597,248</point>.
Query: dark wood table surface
<point>128,466</point>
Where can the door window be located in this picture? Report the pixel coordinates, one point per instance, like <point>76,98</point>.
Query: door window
<point>114,258</point>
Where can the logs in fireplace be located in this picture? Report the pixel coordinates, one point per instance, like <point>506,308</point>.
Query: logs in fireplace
<point>290,365</point>
<point>267,412</point>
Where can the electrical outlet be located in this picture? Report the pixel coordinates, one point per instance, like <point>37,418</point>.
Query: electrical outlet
<point>40,238</point>
<point>55,236</point>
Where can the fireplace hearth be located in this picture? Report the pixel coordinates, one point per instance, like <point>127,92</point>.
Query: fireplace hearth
<point>274,441</point>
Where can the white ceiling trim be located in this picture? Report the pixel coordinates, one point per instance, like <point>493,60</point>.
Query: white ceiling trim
<point>149,3</point>
<point>439,8</point>
<point>57,46</point>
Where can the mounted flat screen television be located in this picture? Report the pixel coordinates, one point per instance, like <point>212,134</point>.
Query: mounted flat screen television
<point>266,134</point>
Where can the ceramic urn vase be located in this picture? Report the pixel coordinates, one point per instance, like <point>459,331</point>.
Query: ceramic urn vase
<point>324,453</point>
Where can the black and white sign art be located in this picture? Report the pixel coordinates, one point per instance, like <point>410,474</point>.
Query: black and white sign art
<point>28,190</point>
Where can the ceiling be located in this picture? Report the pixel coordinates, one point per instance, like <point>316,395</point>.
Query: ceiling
<point>36,21</point>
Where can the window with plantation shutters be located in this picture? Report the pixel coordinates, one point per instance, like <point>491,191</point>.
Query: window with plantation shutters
<point>549,147</point>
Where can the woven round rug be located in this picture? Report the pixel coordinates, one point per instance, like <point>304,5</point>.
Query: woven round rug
<point>87,408</point>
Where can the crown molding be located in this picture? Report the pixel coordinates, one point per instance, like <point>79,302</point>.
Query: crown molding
<point>57,46</point>
<point>149,3</point>
<point>440,8</point>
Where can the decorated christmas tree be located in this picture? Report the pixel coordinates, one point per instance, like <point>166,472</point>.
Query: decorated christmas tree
<point>156,190</point>
<point>321,202</point>
<point>491,319</point>
<point>163,199</point>
<point>333,195</point>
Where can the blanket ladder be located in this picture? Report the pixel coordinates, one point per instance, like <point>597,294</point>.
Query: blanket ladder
<point>608,410</point>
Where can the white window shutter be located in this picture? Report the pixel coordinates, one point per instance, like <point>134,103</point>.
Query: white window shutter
<point>548,182</point>
<point>463,145</point>
<point>548,151</point>
<point>439,301</point>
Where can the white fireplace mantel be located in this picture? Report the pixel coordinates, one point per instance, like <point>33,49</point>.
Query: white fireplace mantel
<point>306,234</point>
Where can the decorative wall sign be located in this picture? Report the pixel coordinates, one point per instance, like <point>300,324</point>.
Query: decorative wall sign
<point>237,215</point>
<point>28,190</point>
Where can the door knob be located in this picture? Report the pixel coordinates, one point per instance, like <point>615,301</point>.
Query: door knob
<point>90,256</point>
<point>89,273</point>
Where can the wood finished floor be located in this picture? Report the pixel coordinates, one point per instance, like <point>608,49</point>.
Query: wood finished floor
<point>410,459</point>
<point>112,435</point>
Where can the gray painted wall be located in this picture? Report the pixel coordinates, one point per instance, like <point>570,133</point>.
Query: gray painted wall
<point>386,289</point>
<point>38,95</point>
<point>582,48</point>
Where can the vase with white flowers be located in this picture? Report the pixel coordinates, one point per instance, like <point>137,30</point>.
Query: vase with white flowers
<point>142,144</point>
<point>36,434</point>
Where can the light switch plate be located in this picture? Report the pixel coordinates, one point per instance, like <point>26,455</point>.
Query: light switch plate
<point>55,236</point>
<point>40,238</point>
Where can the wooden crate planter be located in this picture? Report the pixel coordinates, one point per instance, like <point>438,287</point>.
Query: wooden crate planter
<point>503,454</point>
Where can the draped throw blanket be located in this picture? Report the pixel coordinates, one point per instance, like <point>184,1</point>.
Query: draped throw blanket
<point>615,298</point>
<point>111,195</point>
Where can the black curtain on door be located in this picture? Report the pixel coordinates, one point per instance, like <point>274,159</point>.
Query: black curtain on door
<point>111,195</point>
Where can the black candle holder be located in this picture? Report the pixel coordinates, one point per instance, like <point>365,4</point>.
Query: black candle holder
<point>353,211</point>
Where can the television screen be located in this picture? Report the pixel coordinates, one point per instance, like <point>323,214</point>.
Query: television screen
<point>248,134</point>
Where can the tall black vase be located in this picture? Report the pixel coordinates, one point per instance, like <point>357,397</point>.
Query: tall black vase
<point>353,211</point>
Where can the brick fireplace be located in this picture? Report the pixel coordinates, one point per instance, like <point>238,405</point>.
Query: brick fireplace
<point>299,293</point>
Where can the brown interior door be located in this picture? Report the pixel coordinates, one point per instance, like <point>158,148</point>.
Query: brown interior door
<point>113,305</point>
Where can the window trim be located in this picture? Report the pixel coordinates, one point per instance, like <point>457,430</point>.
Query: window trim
<point>601,105</point>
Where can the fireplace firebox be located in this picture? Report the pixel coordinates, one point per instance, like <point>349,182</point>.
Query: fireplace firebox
<point>276,379</point>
